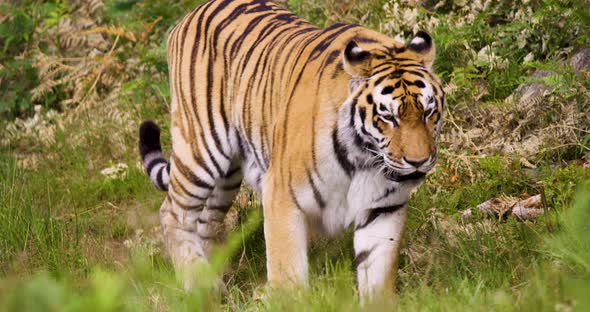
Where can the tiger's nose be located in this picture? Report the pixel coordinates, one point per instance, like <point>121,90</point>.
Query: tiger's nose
<point>416,163</point>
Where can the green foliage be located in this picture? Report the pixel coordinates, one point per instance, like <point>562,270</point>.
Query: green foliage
<point>17,76</point>
<point>16,79</point>
<point>15,32</point>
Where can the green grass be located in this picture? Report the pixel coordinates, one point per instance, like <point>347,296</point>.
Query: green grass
<point>73,239</point>
<point>60,230</point>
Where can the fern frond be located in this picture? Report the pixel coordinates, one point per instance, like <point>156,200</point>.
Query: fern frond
<point>112,30</point>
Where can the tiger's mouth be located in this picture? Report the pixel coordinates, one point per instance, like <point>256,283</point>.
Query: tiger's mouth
<point>400,174</point>
<point>394,172</point>
<point>398,177</point>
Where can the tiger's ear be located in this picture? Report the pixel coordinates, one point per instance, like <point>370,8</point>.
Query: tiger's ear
<point>423,46</point>
<point>356,61</point>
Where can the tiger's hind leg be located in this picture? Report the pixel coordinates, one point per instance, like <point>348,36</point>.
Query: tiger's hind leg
<point>192,218</point>
<point>210,224</point>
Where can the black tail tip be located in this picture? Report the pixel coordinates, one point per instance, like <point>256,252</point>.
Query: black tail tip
<point>149,138</point>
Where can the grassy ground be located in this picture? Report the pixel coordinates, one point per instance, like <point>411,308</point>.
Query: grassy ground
<point>74,236</point>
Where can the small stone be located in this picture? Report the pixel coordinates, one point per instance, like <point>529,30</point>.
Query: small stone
<point>466,214</point>
<point>529,57</point>
<point>581,60</point>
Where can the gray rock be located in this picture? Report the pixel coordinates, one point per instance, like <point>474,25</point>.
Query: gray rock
<point>581,60</point>
<point>527,93</point>
<point>531,93</point>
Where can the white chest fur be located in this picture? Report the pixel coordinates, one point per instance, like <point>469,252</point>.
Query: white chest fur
<point>347,200</point>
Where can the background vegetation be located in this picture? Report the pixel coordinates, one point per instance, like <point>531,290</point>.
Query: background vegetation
<point>79,217</point>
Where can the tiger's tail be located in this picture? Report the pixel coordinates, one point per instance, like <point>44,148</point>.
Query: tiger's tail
<point>156,166</point>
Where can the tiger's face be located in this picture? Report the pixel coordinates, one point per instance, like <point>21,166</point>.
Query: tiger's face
<point>398,105</point>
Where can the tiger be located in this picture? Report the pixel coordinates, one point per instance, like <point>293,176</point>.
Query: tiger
<point>333,128</point>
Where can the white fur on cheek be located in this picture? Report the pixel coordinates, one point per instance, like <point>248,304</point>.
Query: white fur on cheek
<point>395,107</point>
<point>427,92</point>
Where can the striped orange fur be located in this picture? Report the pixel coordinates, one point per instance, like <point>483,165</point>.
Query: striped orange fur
<point>331,127</point>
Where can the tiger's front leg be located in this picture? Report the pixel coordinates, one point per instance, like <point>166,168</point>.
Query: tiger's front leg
<point>285,234</point>
<point>377,241</point>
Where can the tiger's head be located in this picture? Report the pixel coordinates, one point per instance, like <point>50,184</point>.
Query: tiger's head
<point>397,105</point>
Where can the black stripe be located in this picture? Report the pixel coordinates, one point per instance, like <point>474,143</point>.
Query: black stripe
<point>211,15</point>
<point>154,163</point>
<point>248,31</point>
<point>377,72</point>
<point>361,257</point>
<point>204,166</point>
<point>316,193</point>
<point>161,184</point>
<point>173,184</point>
<point>396,50</point>
<point>173,214</point>
<point>376,212</point>
<point>359,142</point>
<point>231,172</point>
<point>185,171</point>
<point>341,154</point>
<point>322,45</point>
<point>246,112</point>
<point>246,108</point>
<point>192,80</point>
<point>417,73</point>
<point>332,57</point>
<point>193,195</point>
<point>211,157</point>
<point>387,90</point>
<point>361,39</point>
<point>362,114</point>
<point>232,187</point>
<point>401,178</point>
<point>209,97</point>
<point>179,56</point>
<point>222,208</point>
<point>380,79</point>
<point>418,83</point>
<point>353,111</point>
<point>201,18</point>
<point>292,192</point>
<point>226,21</point>
<point>388,192</point>
<point>402,59</point>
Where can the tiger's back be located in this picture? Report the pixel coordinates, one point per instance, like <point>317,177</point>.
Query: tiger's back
<point>262,95</point>
<point>242,67</point>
